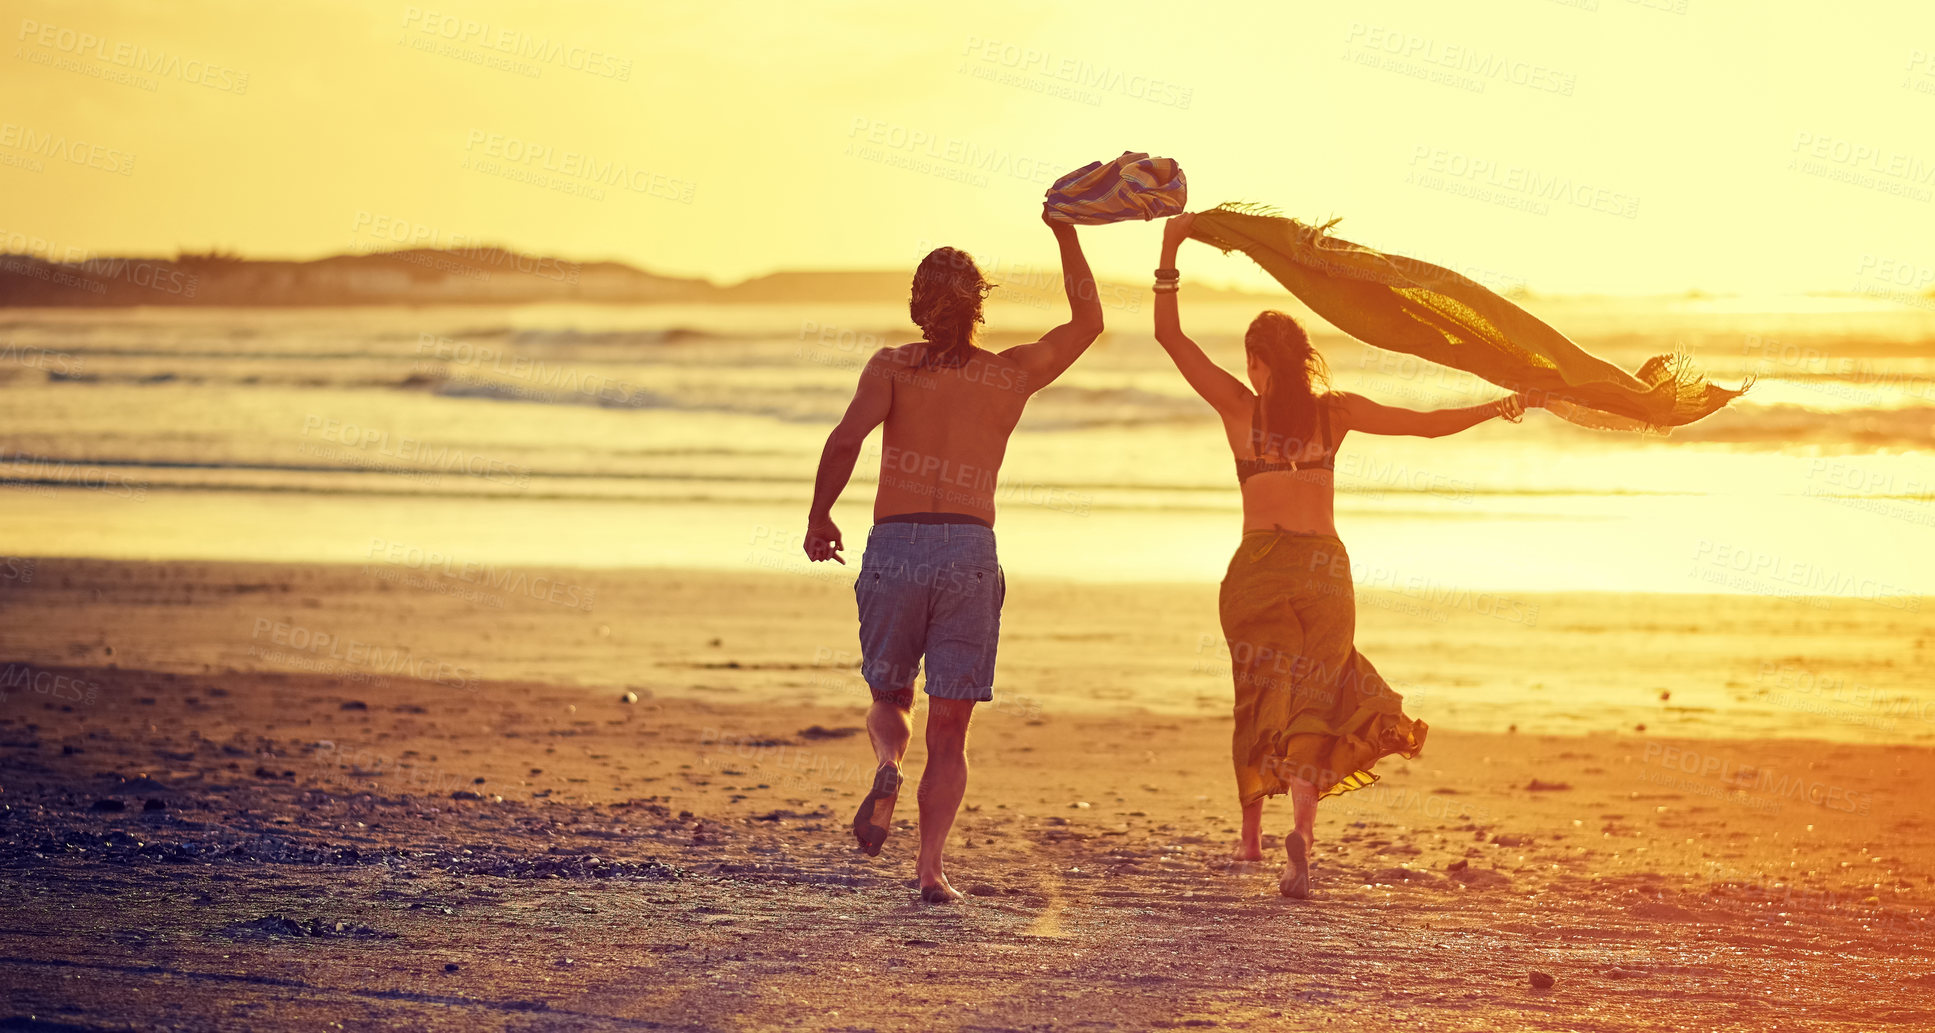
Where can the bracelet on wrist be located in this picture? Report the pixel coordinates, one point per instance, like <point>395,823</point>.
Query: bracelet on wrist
<point>1168,273</point>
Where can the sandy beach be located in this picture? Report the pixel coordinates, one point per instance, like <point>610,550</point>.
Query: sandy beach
<point>364,643</point>
<point>201,837</point>
<point>424,429</point>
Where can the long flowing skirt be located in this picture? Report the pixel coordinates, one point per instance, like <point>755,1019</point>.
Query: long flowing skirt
<point>1308,704</point>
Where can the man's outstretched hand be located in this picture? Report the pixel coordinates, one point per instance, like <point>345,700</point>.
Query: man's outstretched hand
<point>823,541</point>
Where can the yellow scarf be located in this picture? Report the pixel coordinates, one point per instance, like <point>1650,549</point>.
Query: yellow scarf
<point>1411,306</point>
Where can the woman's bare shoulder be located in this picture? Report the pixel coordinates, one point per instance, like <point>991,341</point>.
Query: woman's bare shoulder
<point>1342,401</point>
<point>1345,407</point>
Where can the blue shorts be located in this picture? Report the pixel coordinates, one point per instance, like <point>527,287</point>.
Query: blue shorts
<point>934,591</point>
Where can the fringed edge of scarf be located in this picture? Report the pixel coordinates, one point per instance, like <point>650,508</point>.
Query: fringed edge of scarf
<point>1395,270</point>
<point>1689,396</point>
<point>1694,395</point>
<point>1318,233</point>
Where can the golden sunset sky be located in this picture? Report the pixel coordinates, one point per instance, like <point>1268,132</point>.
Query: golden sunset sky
<point>1591,145</point>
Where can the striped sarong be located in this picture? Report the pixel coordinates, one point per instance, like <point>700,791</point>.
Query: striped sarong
<point>1134,186</point>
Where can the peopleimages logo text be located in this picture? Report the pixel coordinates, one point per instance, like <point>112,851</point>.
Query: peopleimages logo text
<point>123,54</point>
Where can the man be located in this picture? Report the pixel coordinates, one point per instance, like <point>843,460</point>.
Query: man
<point>929,583</point>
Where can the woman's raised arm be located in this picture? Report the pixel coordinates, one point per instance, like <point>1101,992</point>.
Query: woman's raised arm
<point>1222,391</point>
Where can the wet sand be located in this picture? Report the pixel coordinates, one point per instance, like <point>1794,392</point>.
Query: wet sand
<point>368,847</point>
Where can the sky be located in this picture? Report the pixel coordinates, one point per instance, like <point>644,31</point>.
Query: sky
<point>1585,146</point>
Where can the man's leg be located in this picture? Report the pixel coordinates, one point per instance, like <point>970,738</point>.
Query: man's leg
<point>941,787</point>
<point>964,634</point>
<point>890,725</point>
<point>893,635</point>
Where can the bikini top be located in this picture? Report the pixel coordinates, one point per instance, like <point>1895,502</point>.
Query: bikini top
<point>1248,468</point>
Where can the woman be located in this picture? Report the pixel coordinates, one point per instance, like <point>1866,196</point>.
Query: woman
<point>1312,715</point>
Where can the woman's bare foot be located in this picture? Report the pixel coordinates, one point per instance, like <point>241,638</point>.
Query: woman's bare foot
<point>938,890</point>
<point>1295,883</point>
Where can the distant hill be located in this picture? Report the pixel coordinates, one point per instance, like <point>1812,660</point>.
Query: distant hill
<point>822,285</point>
<point>417,277</point>
<point>475,276</point>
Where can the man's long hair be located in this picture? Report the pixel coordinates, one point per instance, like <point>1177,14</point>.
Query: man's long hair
<point>1288,407</point>
<point>946,304</point>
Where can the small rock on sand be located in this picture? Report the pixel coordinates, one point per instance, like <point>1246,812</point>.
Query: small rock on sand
<point>1482,878</point>
<point>818,732</point>
<point>1541,981</point>
<point>983,889</point>
<point>1458,866</point>
<point>629,697</point>
<point>1547,787</point>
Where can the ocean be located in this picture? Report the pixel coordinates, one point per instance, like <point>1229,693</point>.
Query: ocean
<point>666,436</point>
<point>1537,574</point>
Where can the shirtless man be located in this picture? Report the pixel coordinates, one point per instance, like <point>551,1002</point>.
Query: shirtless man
<point>929,582</point>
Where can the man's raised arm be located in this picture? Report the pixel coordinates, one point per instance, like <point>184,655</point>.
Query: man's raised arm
<point>1044,360</point>
<point>871,402</point>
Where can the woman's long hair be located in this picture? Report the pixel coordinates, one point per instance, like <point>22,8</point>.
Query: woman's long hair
<point>1288,407</point>
<point>946,304</point>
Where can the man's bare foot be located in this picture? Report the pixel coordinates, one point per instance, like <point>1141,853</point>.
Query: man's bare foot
<point>1247,850</point>
<point>1295,883</point>
<point>876,814</point>
<point>938,890</point>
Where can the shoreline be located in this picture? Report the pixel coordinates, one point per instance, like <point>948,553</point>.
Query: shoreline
<point>1711,667</point>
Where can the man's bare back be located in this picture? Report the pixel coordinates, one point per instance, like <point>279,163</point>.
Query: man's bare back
<point>946,432</point>
<point>946,424</point>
